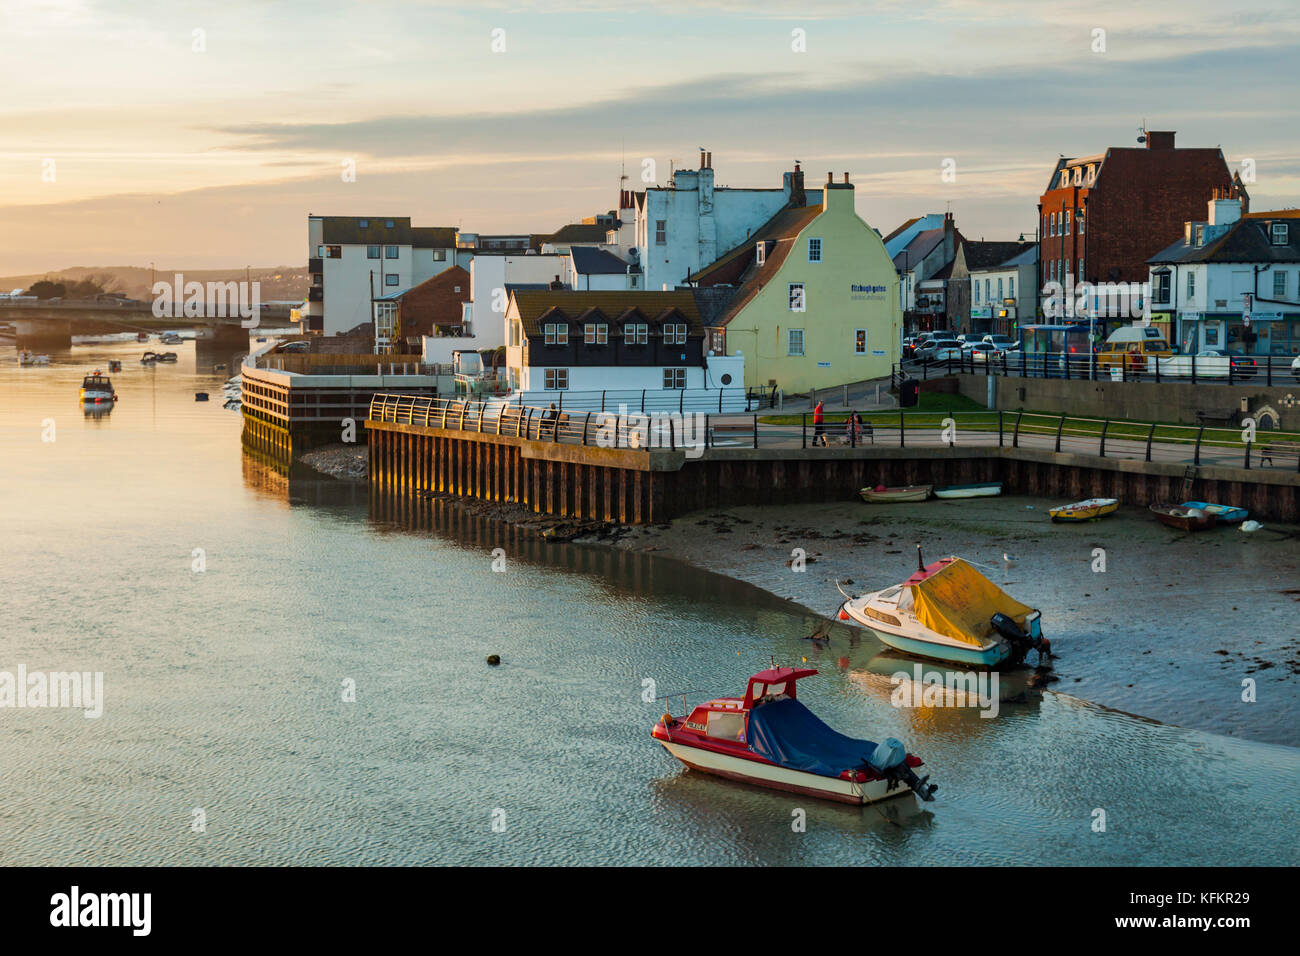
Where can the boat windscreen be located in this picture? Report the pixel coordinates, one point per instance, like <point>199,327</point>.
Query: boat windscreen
<point>790,735</point>
<point>959,602</point>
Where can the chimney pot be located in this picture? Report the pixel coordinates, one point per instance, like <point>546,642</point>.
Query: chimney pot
<point>846,177</point>
<point>830,179</point>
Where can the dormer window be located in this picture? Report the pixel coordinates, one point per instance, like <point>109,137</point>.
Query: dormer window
<point>1065,178</point>
<point>363,223</point>
<point>760,252</point>
<point>636,333</point>
<point>555,333</point>
<point>674,333</point>
<point>1078,175</point>
<point>1092,174</point>
<point>595,333</point>
<point>1279,234</point>
<point>1200,235</point>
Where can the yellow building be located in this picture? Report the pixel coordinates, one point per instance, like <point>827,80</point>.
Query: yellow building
<point>816,298</point>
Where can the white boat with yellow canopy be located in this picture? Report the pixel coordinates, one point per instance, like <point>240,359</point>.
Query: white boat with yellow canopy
<point>948,611</point>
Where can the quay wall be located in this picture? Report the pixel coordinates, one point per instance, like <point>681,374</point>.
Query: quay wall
<point>650,486</point>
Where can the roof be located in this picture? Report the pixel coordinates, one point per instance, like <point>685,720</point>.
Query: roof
<point>348,230</point>
<point>579,232</point>
<point>922,245</point>
<point>786,223</point>
<point>982,256</point>
<point>568,306</point>
<point>740,266</point>
<point>1247,240</point>
<point>433,237</point>
<point>587,261</point>
<point>902,227</point>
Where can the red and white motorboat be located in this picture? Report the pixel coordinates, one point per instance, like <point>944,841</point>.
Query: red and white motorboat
<point>770,739</point>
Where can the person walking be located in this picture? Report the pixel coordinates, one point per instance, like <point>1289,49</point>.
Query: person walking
<point>819,424</point>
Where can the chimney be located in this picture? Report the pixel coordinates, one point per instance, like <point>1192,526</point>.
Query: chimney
<point>556,283</point>
<point>708,159</point>
<point>830,179</point>
<point>798,198</point>
<point>1160,139</point>
<point>702,155</point>
<point>846,179</point>
<point>1223,211</point>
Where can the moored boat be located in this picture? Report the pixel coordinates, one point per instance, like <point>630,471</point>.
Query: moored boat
<point>1088,510</point>
<point>166,356</point>
<point>984,489</point>
<point>171,338</point>
<point>97,388</point>
<point>902,493</point>
<point>31,358</point>
<point>948,611</point>
<point>770,739</point>
<point>1223,514</point>
<point>1182,517</point>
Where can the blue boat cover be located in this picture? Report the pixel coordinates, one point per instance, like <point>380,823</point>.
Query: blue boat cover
<point>790,735</point>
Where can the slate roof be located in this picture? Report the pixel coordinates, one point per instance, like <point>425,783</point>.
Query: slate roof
<point>1247,240</point>
<point>433,237</point>
<point>588,261</point>
<point>578,232</point>
<point>922,245</point>
<point>347,230</point>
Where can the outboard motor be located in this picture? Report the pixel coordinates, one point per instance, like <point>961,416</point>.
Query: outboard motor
<point>1021,642</point>
<point>889,759</point>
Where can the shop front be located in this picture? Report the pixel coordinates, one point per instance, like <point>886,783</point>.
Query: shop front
<point>1266,333</point>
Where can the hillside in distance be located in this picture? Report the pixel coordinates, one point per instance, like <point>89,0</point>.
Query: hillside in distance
<point>278,283</point>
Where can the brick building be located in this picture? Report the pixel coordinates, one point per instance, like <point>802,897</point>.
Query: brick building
<point>1103,216</point>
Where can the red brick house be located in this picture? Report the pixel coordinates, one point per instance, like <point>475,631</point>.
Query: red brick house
<point>1103,216</point>
<point>437,303</point>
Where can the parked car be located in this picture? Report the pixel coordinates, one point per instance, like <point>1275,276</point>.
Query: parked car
<point>298,346</point>
<point>984,352</point>
<point>1210,363</point>
<point>1295,367</point>
<point>1003,343</point>
<point>938,348</point>
<point>909,346</point>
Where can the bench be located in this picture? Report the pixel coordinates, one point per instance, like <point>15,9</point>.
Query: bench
<point>1279,449</point>
<point>728,430</point>
<point>1227,416</point>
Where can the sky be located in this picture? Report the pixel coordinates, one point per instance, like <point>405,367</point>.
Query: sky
<point>203,134</point>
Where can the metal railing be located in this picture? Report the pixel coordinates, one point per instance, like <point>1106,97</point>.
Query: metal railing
<point>1106,438</point>
<point>645,400</point>
<point>1121,367</point>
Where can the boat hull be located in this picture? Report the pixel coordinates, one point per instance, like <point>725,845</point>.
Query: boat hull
<point>1174,518</point>
<point>1084,510</point>
<point>988,490</point>
<point>973,656</point>
<point>773,777</point>
<point>911,493</point>
<point>1223,514</point>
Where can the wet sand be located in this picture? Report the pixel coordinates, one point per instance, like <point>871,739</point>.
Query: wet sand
<point>1168,631</point>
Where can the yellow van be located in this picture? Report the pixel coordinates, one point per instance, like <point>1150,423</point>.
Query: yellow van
<point>1133,346</point>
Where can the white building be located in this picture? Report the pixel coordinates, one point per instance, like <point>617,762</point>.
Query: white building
<point>1003,294</point>
<point>687,225</point>
<point>353,260</point>
<point>491,277</point>
<point>1232,282</point>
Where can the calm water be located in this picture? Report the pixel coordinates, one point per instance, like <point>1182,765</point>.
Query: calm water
<point>224,688</point>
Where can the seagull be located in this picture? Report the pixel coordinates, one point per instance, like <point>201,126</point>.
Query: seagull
<point>1008,558</point>
<point>1251,526</point>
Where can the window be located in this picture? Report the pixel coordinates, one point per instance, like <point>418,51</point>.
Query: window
<point>999,299</point>
<point>636,333</point>
<point>1082,219</point>
<point>1279,233</point>
<point>675,333</point>
<point>391,279</point>
<point>1191,285</point>
<point>796,299</point>
<point>859,341</point>
<point>760,252</point>
<point>372,252</point>
<point>390,252</point>
<point>363,223</point>
<point>439,255</point>
<point>388,223</point>
<point>661,232</point>
<point>718,342</point>
<point>595,333</point>
<point>794,342</point>
<point>317,279</point>
<point>1066,216</point>
<point>1160,288</point>
<point>331,252</point>
<point>988,291</point>
<point>555,333</point>
<point>1279,284</point>
<point>557,379</point>
<point>1053,232</point>
<point>814,250</point>
<point>1011,287</point>
<point>1080,272</point>
<point>674,378</point>
<point>977,291</point>
<point>1200,235</point>
<point>516,334</point>
<point>1065,177</point>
